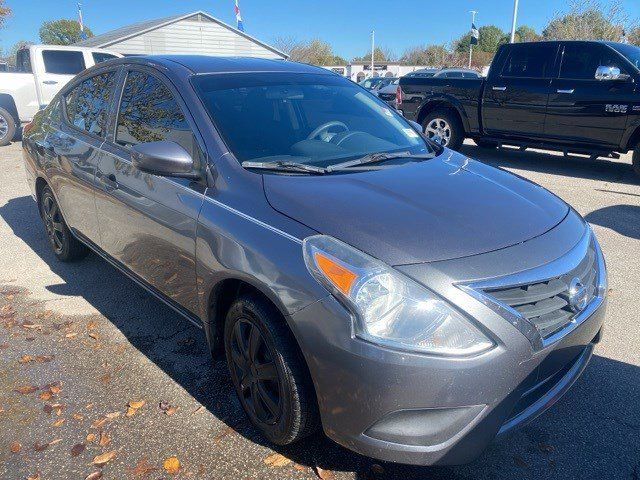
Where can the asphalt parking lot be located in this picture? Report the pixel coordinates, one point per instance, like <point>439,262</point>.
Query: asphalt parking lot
<point>82,347</point>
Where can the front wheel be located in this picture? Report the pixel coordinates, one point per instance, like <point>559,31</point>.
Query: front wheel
<point>7,127</point>
<point>268,372</point>
<point>444,124</point>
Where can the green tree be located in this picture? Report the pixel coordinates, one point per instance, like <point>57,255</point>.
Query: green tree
<point>10,57</point>
<point>380,54</point>
<point>62,32</point>
<point>587,20</point>
<point>427,55</point>
<point>490,38</point>
<point>633,36</point>
<point>5,11</point>
<point>315,51</point>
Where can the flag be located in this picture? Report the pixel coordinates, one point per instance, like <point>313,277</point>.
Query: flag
<point>83,35</point>
<point>239,18</point>
<point>475,34</point>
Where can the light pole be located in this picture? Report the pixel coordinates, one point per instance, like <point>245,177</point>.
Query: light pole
<point>513,22</point>
<point>373,43</point>
<point>473,21</point>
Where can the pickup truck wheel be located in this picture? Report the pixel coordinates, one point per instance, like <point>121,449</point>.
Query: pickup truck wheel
<point>636,160</point>
<point>7,127</point>
<point>446,124</point>
<point>268,372</point>
<point>66,247</point>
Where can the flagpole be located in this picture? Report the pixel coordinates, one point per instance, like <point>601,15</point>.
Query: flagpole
<point>513,21</point>
<point>373,43</point>
<point>473,20</point>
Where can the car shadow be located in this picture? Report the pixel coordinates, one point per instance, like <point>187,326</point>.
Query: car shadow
<point>624,219</point>
<point>592,433</point>
<point>554,163</point>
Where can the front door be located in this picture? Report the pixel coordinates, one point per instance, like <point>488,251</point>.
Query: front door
<point>148,222</point>
<point>583,109</point>
<point>515,98</point>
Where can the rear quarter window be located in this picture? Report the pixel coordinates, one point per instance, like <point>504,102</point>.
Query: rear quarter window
<point>87,104</point>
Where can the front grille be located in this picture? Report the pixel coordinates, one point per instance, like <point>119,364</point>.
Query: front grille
<point>548,304</point>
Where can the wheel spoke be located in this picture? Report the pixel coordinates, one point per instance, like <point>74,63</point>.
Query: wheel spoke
<point>270,403</point>
<point>239,338</point>
<point>258,407</point>
<point>54,209</point>
<point>57,226</point>
<point>238,359</point>
<point>245,382</point>
<point>266,371</point>
<point>255,340</point>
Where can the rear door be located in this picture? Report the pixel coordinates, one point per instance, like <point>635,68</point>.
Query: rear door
<point>583,109</point>
<point>148,222</point>
<point>56,67</point>
<point>515,97</point>
<point>75,146</point>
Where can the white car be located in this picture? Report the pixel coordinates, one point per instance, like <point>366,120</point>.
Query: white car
<point>41,71</point>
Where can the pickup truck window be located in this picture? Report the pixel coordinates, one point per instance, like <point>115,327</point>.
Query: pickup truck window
<point>63,62</point>
<point>87,104</point>
<point>23,61</point>
<point>579,62</point>
<point>526,61</point>
<point>630,52</point>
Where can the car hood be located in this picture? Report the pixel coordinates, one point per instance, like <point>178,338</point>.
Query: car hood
<point>444,208</point>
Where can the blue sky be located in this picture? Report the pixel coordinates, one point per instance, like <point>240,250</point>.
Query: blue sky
<point>343,23</point>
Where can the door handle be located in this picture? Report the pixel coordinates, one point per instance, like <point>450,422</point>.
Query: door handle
<point>50,82</point>
<point>499,89</point>
<point>565,90</point>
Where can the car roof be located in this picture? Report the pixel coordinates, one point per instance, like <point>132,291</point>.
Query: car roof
<point>201,64</point>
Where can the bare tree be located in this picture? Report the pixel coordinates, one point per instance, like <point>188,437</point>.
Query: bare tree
<point>5,11</point>
<point>588,20</point>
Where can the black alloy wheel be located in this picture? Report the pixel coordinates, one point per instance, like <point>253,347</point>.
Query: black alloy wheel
<point>53,223</point>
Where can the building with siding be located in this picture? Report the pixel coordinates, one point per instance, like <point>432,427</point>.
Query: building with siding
<point>191,33</point>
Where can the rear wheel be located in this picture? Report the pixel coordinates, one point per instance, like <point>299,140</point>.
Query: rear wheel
<point>7,127</point>
<point>445,124</point>
<point>66,247</point>
<point>636,160</point>
<point>268,372</point>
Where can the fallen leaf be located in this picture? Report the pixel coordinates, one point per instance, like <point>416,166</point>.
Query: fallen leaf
<point>130,412</point>
<point>322,473</point>
<point>300,468</point>
<point>113,415</point>
<point>171,410</point>
<point>55,388</point>
<point>91,437</point>
<point>77,416</point>
<point>545,448</point>
<point>77,449</point>
<point>104,458</point>
<point>38,447</point>
<point>136,405</point>
<point>142,468</point>
<point>25,359</point>
<point>45,395</point>
<point>277,460</point>
<point>93,335</point>
<point>171,465</point>
<point>47,408</point>
<point>104,439</point>
<point>199,409</point>
<point>44,358</point>
<point>71,335</point>
<point>31,326</point>
<point>26,389</point>
<point>99,422</point>
<point>53,442</point>
<point>94,476</point>
<point>58,422</point>
<point>34,477</point>
<point>106,378</point>
<point>91,325</point>
<point>15,447</point>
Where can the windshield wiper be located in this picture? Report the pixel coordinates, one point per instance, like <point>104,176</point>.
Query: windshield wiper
<point>285,166</point>
<point>375,158</point>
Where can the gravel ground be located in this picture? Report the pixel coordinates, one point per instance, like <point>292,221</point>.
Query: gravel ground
<point>86,346</point>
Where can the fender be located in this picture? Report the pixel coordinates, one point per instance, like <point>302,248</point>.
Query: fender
<point>631,136</point>
<point>8,103</point>
<point>443,99</point>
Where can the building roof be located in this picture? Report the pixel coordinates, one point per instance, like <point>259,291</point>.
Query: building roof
<point>109,38</point>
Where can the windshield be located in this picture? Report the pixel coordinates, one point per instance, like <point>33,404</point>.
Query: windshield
<point>311,119</point>
<point>630,52</point>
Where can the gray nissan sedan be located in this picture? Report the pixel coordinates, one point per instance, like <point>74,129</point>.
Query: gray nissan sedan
<point>411,301</point>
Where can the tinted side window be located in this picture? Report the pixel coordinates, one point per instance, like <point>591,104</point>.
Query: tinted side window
<point>529,61</point>
<point>63,62</point>
<point>580,61</point>
<point>149,113</point>
<point>101,57</point>
<point>87,104</point>
<point>23,61</point>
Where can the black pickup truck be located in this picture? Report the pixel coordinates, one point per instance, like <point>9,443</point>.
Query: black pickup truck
<point>574,96</point>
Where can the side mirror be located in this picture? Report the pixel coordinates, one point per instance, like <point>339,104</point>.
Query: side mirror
<point>608,73</point>
<point>163,158</point>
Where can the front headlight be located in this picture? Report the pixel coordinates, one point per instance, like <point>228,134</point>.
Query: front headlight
<point>389,308</point>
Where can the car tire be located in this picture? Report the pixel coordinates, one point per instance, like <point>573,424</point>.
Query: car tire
<point>445,119</point>
<point>7,127</point>
<point>488,144</point>
<point>268,372</point>
<point>66,247</point>
<point>636,160</point>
